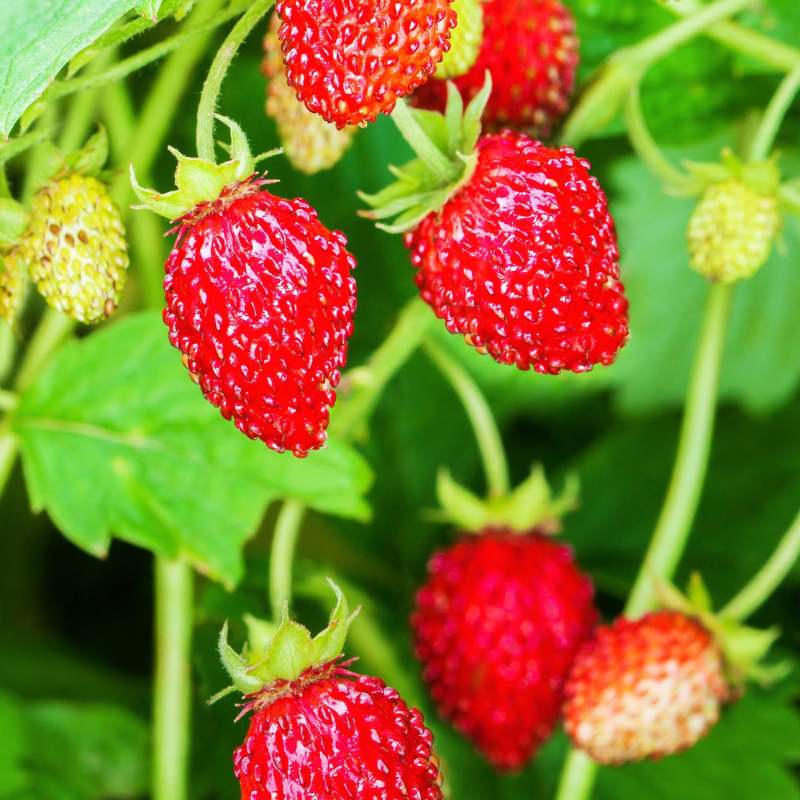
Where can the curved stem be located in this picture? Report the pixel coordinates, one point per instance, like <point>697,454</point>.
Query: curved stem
<point>490,443</point>
<point>53,329</point>
<point>172,685</point>
<point>368,382</point>
<point>691,462</point>
<point>284,539</point>
<point>773,116</point>
<point>216,74</point>
<point>644,144</point>
<point>577,778</point>
<point>428,152</point>
<point>769,577</point>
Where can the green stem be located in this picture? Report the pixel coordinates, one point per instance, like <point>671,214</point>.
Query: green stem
<point>769,577</point>
<point>369,381</point>
<point>8,348</point>
<point>172,684</point>
<point>490,443</point>
<point>742,40</point>
<point>644,144</point>
<point>53,329</point>
<point>428,152</point>
<point>691,462</point>
<point>9,446</point>
<point>287,529</point>
<point>141,59</point>
<point>216,74</point>
<point>773,116</point>
<point>578,777</point>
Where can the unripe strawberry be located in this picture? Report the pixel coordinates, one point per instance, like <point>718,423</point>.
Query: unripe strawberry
<point>310,143</point>
<point>732,230</point>
<point>465,40</point>
<point>76,248</point>
<point>13,284</point>
<point>644,688</point>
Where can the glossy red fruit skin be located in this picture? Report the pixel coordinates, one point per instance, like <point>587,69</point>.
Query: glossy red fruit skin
<point>523,260</point>
<point>530,50</point>
<point>496,627</point>
<point>350,60</point>
<point>337,738</point>
<point>260,302</point>
<point>644,688</point>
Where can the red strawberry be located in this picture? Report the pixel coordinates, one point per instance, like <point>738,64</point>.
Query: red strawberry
<point>349,60</point>
<point>331,736</point>
<point>260,302</point>
<point>498,623</point>
<point>530,50</point>
<point>645,688</point>
<point>522,261</point>
<point>318,730</point>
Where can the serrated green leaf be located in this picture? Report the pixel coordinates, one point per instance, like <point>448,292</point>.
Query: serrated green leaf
<point>129,447</point>
<point>37,38</point>
<point>148,8</point>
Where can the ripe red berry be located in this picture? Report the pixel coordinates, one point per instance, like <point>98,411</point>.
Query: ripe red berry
<point>329,736</point>
<point>260,302</point>
<point>644,688</point>
<point>523,260</point>
<point>496,627</point>
<point>530,50</point>
<point>349,61</point>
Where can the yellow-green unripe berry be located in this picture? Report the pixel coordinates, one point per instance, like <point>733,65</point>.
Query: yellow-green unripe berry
<point>731,231</point>
<point>465,39</point>
<point>76,249</point>
<point>13,284</point>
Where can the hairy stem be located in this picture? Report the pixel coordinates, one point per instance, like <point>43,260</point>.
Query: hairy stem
<point>284,540</point>
<point>490,443</point>
<point>174,584</point>
<point>216,74</point>
<point>368,382</point>
<point>774,114</point>
<point>769,577</point>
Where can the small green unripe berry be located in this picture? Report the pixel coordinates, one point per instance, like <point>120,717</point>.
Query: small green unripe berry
<point>76,249</point>
<point>731,231</point>
<point>465,39</point>
<point>13,284</point>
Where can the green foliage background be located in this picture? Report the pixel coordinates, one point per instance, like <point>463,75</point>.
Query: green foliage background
<point>117,442</point>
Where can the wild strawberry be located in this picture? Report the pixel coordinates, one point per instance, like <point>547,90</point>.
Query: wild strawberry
<point>321,731</point>
<point>465,40</point>
<point>522,260</point>
<point>530,49</point>
<point>13,285</point>
<point>310,143</point>
<point>350,61</point>
<point>644,688</point>
<point>498,623</point>
<point>76,248</point>
<point>259,300</point>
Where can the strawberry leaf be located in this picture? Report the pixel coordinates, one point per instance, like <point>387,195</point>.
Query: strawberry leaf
<point>130,448</point>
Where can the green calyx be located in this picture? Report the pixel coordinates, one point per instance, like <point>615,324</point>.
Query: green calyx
<point>445,146</point>
<point>531,505</point>
<point>282,653</point>
<point>14,220</point>
<point>763,177</point>
<point>743,648</point>
<point>200,181</point>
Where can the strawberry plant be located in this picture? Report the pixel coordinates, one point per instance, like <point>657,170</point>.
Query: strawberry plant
<point>405,251</point>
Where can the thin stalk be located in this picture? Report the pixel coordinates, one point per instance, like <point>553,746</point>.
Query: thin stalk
<point>490,443</point>
<point>284,540</point>
<point>369,381</point>
<point>50,334</point>
<point>174,585</point>
<point>8,348</point>
<point>769,577</point>
<point>216,74</point>
<point>644,144</point>
<point>141,59</point>
<point>428,152</point>
<point>774,114</point>
<point>578,777</point>
<point>8,452</point>
<point>38,158</point>
<point>691,462</point>
<point>747,42</point>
